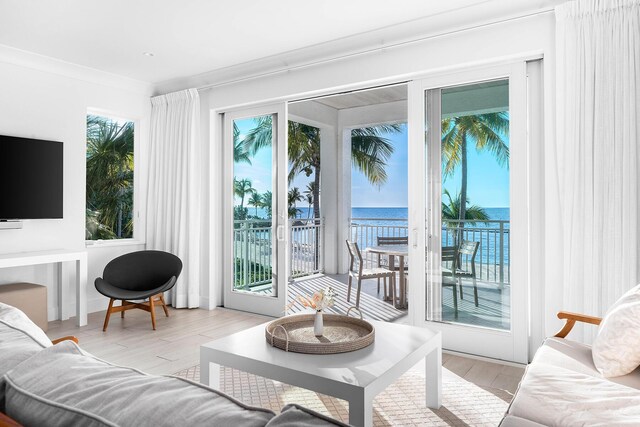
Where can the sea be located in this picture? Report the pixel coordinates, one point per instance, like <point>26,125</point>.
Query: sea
<point>386,215</point>
<point>493,235</point>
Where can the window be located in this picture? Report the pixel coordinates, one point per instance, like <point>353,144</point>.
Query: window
<point>109,205</point>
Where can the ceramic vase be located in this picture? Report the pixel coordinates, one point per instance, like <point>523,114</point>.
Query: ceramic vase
<point>318,324</point>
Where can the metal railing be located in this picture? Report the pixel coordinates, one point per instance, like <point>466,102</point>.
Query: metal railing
<point>253,251</point>
<point>492,258</point>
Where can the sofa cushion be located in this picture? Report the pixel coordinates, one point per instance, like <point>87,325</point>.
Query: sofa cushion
<point>562,387</point>
<point>615,350</point>
<point>20,338</point>
<point>512,421</point>
<point>294,415</point>
<point>63,385</point>
<point>577,357</point>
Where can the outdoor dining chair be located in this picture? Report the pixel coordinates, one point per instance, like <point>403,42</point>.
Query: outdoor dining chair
<point>357,270</point>
<point>468,249</point>
<point>383,261</point>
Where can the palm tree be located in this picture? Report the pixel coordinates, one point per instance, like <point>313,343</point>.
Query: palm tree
<point>266,203</point>
<point>451,210</point>
<point>308,193</point>
<point>109,183</point>
<point>239,153</point>
<point>370,151</point>
<point>241,188</point>
<point>483,130</point>
<point>293,197</point>
<point>256,201</point>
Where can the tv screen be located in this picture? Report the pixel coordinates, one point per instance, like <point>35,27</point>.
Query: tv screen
<point>30,178</point>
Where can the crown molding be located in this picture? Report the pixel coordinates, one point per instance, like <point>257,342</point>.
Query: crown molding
<point>18,57</point>
<point>447,23</point>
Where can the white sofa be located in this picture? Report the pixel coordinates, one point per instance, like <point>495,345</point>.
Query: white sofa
<point>562,387</point>
<point>47,384</point>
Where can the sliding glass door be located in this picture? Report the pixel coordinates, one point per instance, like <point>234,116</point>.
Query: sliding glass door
<point>470,158</point>
<point>255,150</point>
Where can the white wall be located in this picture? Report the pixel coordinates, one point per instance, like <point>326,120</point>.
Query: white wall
<point>528,36</point>
<point>46,99</point>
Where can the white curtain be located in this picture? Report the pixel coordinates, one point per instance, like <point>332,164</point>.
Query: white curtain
<point>173,199</point>
<point>598,93</point>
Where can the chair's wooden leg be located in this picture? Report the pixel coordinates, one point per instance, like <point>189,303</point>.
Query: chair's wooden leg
<point>106,318</point>
<point>153,313</point>
<point>358,292</point>
<point>122,312</point>
<point>475,291</point>
<point>164,305</point>
<point>349,290</point>
<point>386,289</point>
<point>460,286</point>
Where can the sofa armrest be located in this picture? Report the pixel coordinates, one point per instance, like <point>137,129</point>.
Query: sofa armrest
<point>5,421</point>
<point>571,319</point>
<point>67,338</point>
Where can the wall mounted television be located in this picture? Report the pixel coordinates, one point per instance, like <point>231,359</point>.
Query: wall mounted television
<point>31,183</point>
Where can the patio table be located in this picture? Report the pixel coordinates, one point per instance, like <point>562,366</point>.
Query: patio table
<point>393,251</point>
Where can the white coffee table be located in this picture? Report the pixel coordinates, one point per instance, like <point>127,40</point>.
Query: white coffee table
<point>356,377</point>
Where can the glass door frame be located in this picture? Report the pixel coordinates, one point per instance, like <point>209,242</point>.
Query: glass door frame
<point>268,305</point>
<point>425,188</point>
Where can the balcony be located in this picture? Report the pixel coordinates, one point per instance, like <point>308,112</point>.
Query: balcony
<point>253,249</point>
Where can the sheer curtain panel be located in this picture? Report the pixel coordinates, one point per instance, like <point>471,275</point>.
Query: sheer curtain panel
<point>173,199</point>
<point>598,82</point>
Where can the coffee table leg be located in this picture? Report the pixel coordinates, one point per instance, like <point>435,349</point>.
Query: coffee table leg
<point>433,380</point>
<point>210,374</point>
<point>361,410</point>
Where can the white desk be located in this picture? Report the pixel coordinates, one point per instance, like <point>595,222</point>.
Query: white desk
<point>58,257</point>
<point>357,376</point>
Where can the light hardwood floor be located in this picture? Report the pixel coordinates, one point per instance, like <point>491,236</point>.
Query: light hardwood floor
<point>175,344</point>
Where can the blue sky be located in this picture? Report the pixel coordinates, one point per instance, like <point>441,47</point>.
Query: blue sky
<point>488,182</point>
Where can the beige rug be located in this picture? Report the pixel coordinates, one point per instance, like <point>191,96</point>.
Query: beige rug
<point>401,404</point>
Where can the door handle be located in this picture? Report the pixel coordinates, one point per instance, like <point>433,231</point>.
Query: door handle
<point>280,233</point>
<point>415,237</point>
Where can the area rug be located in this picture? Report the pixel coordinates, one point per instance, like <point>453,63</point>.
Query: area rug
<point>372,307</point>
<point>401,404</point>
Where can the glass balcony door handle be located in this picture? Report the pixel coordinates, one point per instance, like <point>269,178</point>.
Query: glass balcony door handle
<point>280,233</point>
<point>414,237</point>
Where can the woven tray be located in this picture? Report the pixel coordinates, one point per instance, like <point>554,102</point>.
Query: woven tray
<point>341,334</point>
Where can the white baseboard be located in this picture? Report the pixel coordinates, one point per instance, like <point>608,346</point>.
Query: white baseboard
<point>484,359</point>
<point>93,305</point>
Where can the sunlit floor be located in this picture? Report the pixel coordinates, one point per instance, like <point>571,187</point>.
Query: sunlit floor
<point>493,310</point>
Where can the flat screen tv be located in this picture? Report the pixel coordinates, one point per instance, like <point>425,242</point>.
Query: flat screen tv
<point>30,178</point>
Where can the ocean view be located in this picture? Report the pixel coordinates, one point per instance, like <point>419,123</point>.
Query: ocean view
<point>380,214</point>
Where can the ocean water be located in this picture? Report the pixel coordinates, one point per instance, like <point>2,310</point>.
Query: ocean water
<point>385,216</point>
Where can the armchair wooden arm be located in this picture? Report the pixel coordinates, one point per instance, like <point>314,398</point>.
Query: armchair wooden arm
<point>571,319</point>
<point>5,421</point>
<point>67,338</point>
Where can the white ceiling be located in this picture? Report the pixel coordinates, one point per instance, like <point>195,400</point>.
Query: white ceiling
<point>196,36</point>
<point>365,97</point>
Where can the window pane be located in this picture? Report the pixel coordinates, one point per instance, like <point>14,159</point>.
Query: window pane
<point>475,205</point>
<point>254,201</point>
<point>109,204</point>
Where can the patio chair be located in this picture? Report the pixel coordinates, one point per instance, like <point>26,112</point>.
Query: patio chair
<point>383,261</point>
<point>357,270</point>
<point>449,253</point>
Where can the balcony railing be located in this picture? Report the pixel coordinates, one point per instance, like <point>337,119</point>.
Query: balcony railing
<point>492,258</point>
<point>253,249</point>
